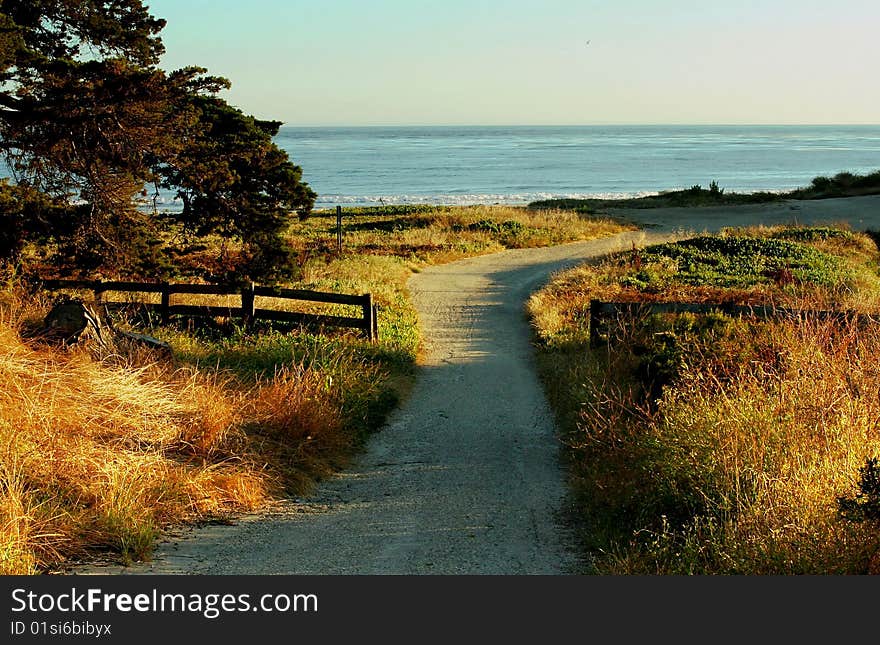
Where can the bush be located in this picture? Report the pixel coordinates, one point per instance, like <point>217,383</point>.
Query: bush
<point>746,261</point>
<point>865,506</point>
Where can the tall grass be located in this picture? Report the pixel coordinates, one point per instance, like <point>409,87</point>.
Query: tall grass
<point>100,453</point>
<point>716,445</point>
<point>738,468</point>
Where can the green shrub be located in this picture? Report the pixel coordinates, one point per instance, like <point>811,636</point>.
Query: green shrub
<point>507,227</point>
<point>865,506</point>
<point>814,234</point>
<point>746,261</point>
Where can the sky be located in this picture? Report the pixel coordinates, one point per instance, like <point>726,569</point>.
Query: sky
<point>535,62</point>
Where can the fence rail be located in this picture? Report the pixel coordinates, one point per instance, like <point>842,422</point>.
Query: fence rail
<point>599,311</point>
<point>367,323</point>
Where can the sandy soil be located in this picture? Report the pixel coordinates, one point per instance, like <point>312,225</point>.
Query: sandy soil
<point>465,477</point>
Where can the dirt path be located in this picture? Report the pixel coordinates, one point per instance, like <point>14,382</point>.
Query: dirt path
<point>465,477</point>
<point>860,213</point>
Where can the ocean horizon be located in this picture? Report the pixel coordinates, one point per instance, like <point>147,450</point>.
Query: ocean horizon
<point>515,165</point>
<point>443,164</point>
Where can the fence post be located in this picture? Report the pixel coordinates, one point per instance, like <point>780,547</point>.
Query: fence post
<point>339,230</point>
<point>165,308</point>
<point>247,305</point>
<point>595,315</point>
<point>96,289</point>
<point>368,312</point>
<point>375,322</point>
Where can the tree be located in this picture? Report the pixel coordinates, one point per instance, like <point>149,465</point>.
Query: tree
<point>86,114</point>
<point>27,214</point>
<point>80,103</point>
<point>80,94</point>
<point>235,182</point>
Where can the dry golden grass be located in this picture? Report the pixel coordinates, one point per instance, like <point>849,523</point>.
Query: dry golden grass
<point>447,234</point>
<point>754,464</point>
<point>98,453</point>
<point>94,454</point>
<point>758,429</point>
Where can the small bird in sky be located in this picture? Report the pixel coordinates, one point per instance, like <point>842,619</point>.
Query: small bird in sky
<point>589,41</point>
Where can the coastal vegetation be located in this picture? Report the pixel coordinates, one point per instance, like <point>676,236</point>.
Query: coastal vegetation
<point>702,444</point>
<point>719,444</point>
<point>89,123</point>
<point>102,451</point>
<point>844,184</point>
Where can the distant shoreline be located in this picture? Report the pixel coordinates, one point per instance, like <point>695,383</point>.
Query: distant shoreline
<point>507,200</point>
<point>550,126</point>
<point>519,165</point>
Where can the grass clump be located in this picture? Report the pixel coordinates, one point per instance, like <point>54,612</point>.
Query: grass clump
<point>105,453</point>
<point>711,444</point>
<point>93,455</point>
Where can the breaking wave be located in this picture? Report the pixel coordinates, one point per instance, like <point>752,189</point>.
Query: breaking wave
<point>468,199</point>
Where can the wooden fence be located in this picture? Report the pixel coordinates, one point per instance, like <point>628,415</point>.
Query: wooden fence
<point>248,312</point>
<point>599,311</point>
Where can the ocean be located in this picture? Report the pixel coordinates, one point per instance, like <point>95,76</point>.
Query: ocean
<point>517,165</point>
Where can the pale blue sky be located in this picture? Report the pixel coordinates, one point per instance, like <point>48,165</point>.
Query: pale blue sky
<point>370,62</point>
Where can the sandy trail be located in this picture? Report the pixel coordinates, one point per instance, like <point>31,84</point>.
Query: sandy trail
<point>465,477</point>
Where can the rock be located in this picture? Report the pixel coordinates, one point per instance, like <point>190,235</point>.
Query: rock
<point>73,321</point>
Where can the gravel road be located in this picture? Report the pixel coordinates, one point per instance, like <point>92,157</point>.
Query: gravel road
<point>465,477</point>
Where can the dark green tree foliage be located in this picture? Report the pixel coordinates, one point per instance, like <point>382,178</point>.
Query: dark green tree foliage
<point>86,115</point>
<point>235,182</point>
<point>27,214</point>
<point>865,505</point>
<point>80,100</point>
<point>79,91</point>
